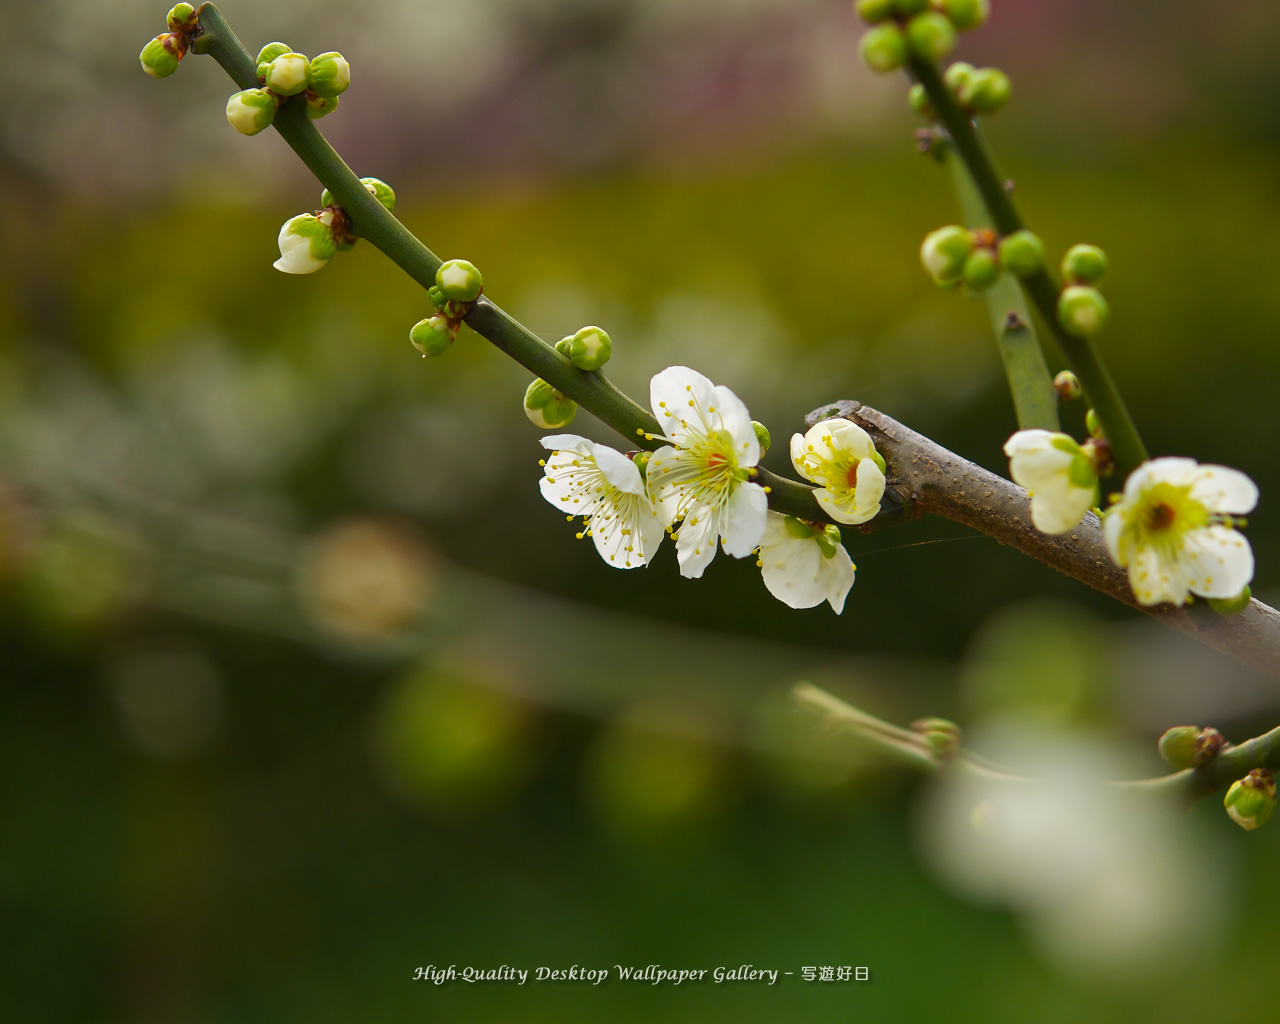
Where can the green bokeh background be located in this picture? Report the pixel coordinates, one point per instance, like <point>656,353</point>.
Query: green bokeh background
<point>303,685</point>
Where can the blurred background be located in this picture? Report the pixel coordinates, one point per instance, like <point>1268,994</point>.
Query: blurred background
<point>304,686</point>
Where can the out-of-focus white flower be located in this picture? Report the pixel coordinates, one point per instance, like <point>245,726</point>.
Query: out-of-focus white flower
<point>1058,476</point>
<point>841,459</point>
<point>802,565</point>
<point>1173,530</point>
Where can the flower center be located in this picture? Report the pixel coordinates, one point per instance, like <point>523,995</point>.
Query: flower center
<point>1160,515</point>
<point>851,477</point>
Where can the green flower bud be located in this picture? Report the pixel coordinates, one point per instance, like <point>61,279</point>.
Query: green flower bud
<point>564,345</point>
<point>884,48</point>
<point>459,281</point>
<point>381,191</point>
<point>944,252</point>
<point>590,348</point>
<point>1082,311</point>
<point>986,91</point>
<point>875,10</point>
<point>942,737</point>
<point>828,538</point>
<point>920,103</point>
<point>1022,253</point>
<point>1232,605</point>
<point>288,74</point>
<point>957,74</point>
<point>1189,746</point>
<point>1084,264</point>
<point>306,245</point>
<point>981,269</point>
<point>330,74</point>
<point>250,111</point>
<point>931,36</point>
<point>180,16</point>
<point>1093,424</point>
<point>906,8</point>
<point>763,437</point>
<point>548,408</point>
<point>1067,384</point>
<point>966,14</point>
<point>159,58</point>
<point>1250,801</point>
<point>319,106</point>
<point>269,53</point>
<point>432,336</point>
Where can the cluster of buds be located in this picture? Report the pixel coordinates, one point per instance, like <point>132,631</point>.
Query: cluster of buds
<point>1250,801</point>
<point>310,240</point>
<point>953,255</point>
<point>588,349</point>
<point>977,90</point>
<point>922,29</point>
<point>458,285</point>
<point>159,58</point>
<point>1082,311</point>
<point>282,74</point>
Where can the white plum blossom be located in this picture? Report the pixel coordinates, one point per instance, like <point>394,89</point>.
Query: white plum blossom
<point>1056,473</point>
<point>802,565</point>
<point>605,487</point>
<point>1173,531</point>
<point>703,476</point>
<point>840,457</point>
<point>306,243</point>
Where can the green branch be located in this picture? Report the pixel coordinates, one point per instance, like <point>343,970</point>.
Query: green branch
<point>1041,288</point>
<point>371,221</point>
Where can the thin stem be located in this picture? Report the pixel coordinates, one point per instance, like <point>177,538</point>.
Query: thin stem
<point>1035,401</point>
<point>1041,288</point>
<point>373,222</point>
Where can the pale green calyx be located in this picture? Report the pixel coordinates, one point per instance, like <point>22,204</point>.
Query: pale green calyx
<point>288,74</point>
<point>159,58</point>
<point>306,245</point>
<point>319,106</point>
<point>459,281</point>
<point>251,110</point>
<point>1232,605</point>
<point>590,348</point>
<point>269,53</point>
<point>944,252</point>
<point>330,74</point>
<point>1250,801</point>
<point>180,17</point>
<point>546,407</point>
<point>1082,311</point>
<point>432,336</point>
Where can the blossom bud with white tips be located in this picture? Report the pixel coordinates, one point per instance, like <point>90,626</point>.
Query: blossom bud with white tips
<point>330,75</point>
<point>180,17</point>
<point>546,407</point>
<point>251,111</point>
<point>459,281</point>
<point>1250,801</point>
<point>944,252</point>
<point>306,245</point>
<point>288,74</point>
<point>269,53</point>
<point>590,348</point>
<point>319,106</point>
<point>432,336</point>
<point>159,58</point>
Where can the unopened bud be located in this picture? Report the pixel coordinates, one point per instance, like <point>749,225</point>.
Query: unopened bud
<point>590,348</point>
<point>942,737</point>
<point>986,91</point>
<point>269,53</point>
<point>180,17</point>
<point>1189,746</point>
<point>306,245</point>
<point>380,191</point>
<point>874,11</point>
<point>884,48</point>
<point>330,74</point>
<point>944,252</point>
<point>432,336</point>
<point>1250,800</point>
<point>957,74</point>
<point>251,111</point>
<point>931,36</point>
<point>763,438</point>
<point>981,269</point>
<point>906,8</point>
<point>319,106</point>
<point>966,14</point>
<point>1022,253</point>
<point>828,538</point>
<point>1232,605</point>
<point>546,407</point>
<point>1067,385</point>
<point>1082,311</point>
<point>920,102</point>
<point>1084,264</point>
<point>159,58</point>
<point>288,74</point>
<point>459,281</point>
<point>1093,424</point>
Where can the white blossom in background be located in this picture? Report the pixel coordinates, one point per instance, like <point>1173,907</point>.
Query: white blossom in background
<point>801,566</point>
<point>703,476</point>
<point>605,487</point>
<point>1058,476</point>
<point>841,459</point>
<point>1173,531</point>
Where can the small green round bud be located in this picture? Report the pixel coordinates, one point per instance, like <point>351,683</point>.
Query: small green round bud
<point>1178,746</point>
<point>1022,253</point>
<point>906,8</point>
<point>944,252</point>
<point>1232,605</point>
<point>1082,311</point>
<point>1084,264</point>
<point>884,48</point>
<point>432,336</point>
<point>931,36</point>
<point>1093,424</point>
<point>269,53</point>
<point>590,348</point>
<point>459,281</point>
<point>159,58</point>
<point>381,191</point>
<point>179,16</point>
<point>763,438</point>
<point>986,91</point>
<point>828,538</point>
<point>548,408</point>
<point>981,269</point>
<point>1067,384</point>
<point>288,74</point>
<point>942,737</point>
<point>966,14</point>
<point>1250,801</point>
<point>957,74</point>
<point>330,74</point>
<point>319,106</point>
<point>564,345</point>
<point>919,100</point>
<point>874,11</point>
<point>251,111</point>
